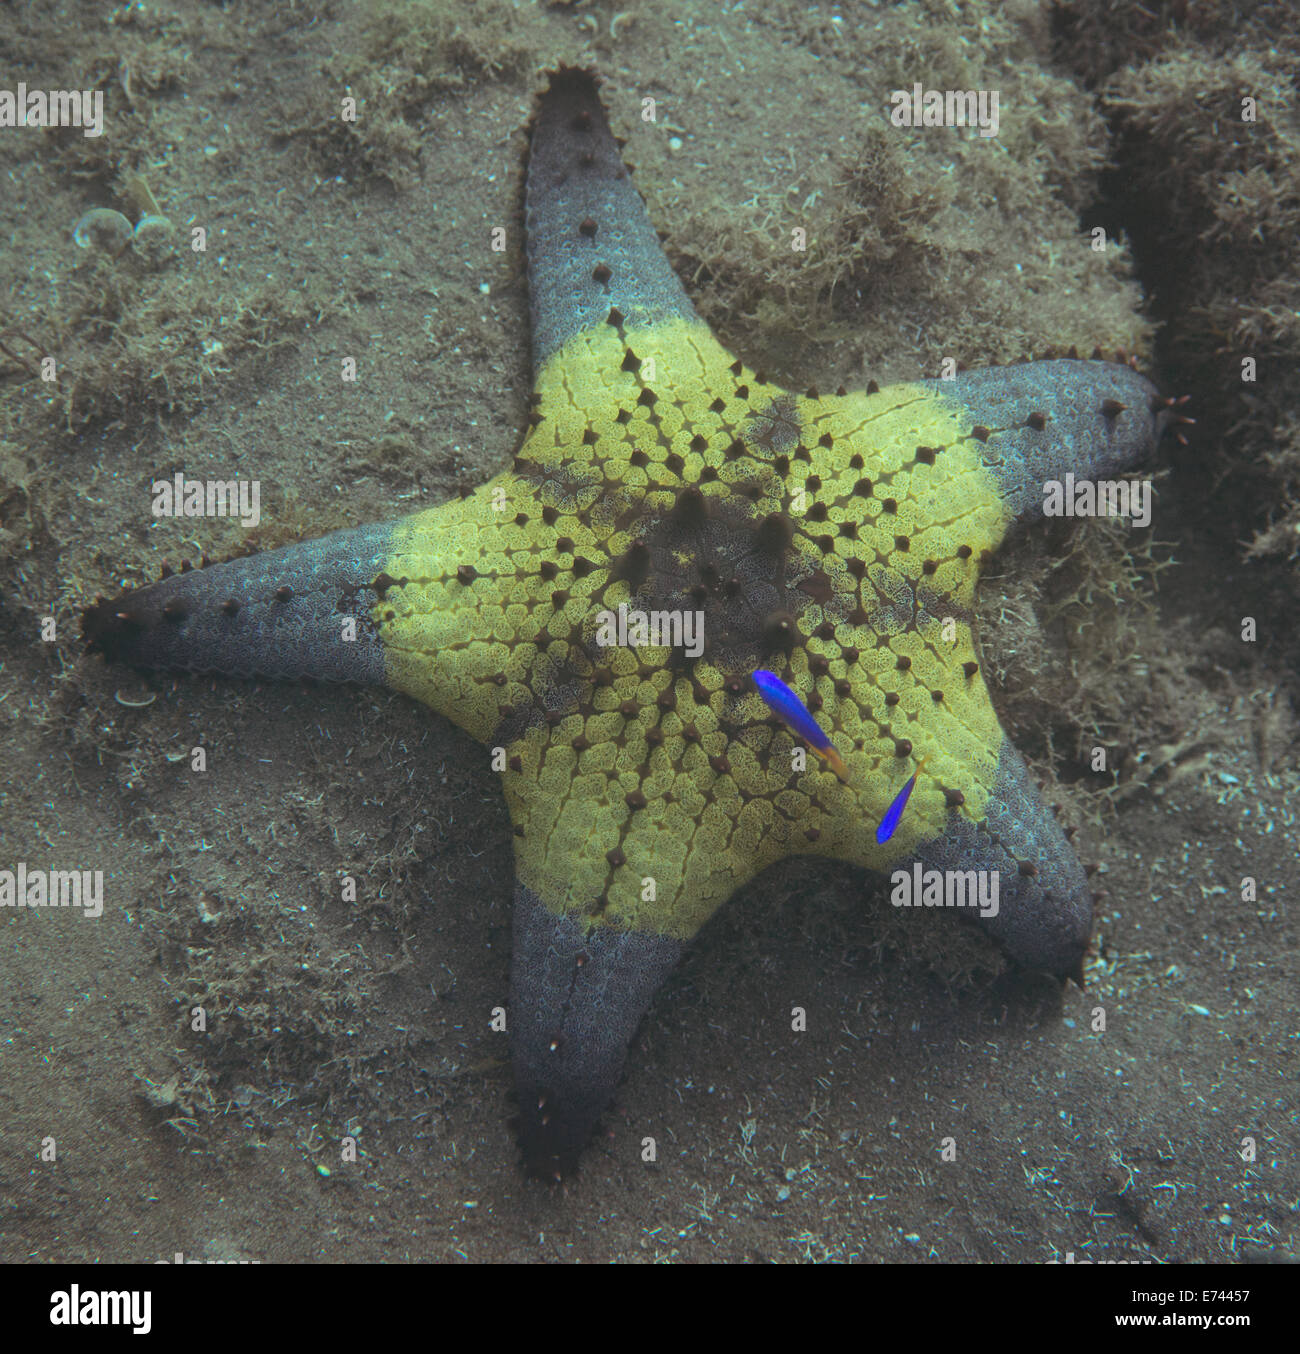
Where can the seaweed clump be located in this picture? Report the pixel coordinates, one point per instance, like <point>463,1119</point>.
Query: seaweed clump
<point>918,231</point>
<point>402,56</point>
<point>1216,145</point>
<point>1207,177</point>
<point>135,344</point>
<point>1081,661</point>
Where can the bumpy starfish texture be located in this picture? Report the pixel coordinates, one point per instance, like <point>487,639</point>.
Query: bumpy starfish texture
<point>834,539</point>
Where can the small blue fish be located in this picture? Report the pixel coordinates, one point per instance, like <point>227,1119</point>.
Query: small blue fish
<point>895,811</point>
<point>796,714</point>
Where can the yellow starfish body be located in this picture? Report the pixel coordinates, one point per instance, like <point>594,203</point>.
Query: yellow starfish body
<point>644,794</point>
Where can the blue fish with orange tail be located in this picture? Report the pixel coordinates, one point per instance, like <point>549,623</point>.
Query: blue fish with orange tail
<point>895,811</point>
<point>786,703</point>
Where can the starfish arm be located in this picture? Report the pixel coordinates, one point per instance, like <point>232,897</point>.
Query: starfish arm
<point>591,247</point>
<point>1041,420</point>
<point>577,995</point>
<point>277,614</point>
<point>628,839</point>
<point>452,606</point>
<point>1044,914</point>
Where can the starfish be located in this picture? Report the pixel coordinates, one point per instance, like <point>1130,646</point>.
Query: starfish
<point>834,539</point>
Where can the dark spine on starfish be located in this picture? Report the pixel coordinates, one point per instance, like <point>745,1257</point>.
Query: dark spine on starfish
<point>1040,420</point>
<point>577,995</point>
<point>1044,913</point>
<point>282,613</point>
<point>591,247</point>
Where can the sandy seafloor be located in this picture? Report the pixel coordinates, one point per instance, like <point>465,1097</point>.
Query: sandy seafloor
<point>373,1018</point>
